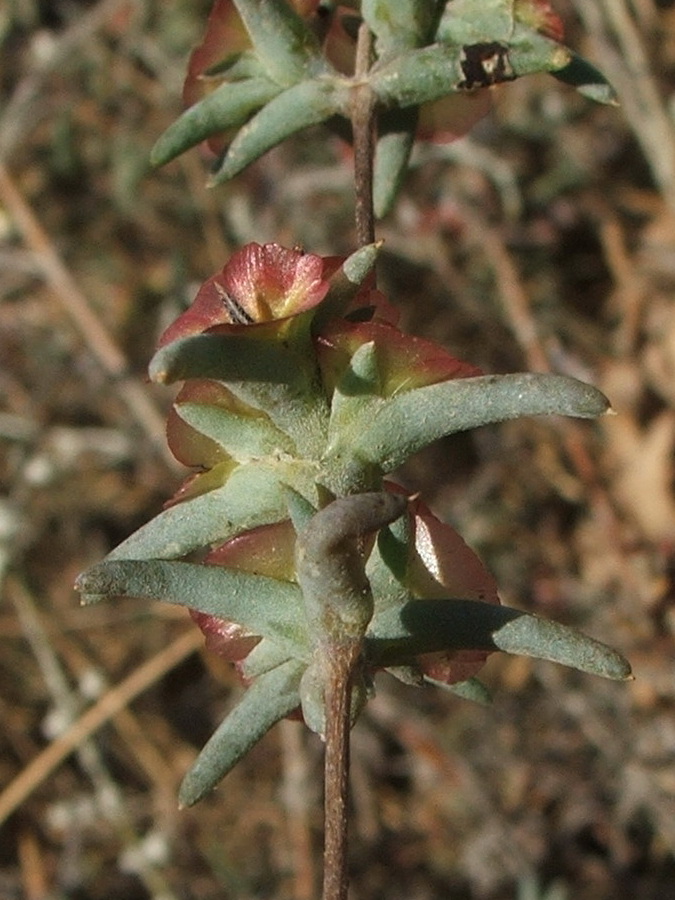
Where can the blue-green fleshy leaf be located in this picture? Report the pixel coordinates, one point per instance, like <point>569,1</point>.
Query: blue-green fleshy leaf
<point>282,40</point>
<point>398,26</point>
<point>396,137</point>
<point>344,284</point>
<point>263,606</point>
<point>253,495</point>
<point>467,22</point>
<point>228,106</point>
<point>397,635</point>
<point>276,375</point>
<point>270,698</point>
<point>298,107</point>
<point>387,434</point>
<point>243,437</point>
<point>225,357</point>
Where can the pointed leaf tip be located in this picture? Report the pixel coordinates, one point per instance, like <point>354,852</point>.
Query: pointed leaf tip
<point>294,109</point>
<point>528,635</point>
<point>271,697</point>
<point>229,106</point>
<point>588,81</point>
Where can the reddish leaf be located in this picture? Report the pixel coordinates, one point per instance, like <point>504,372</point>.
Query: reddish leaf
<point>227,639</point>
<point>188,445</point>
<point>225,36</point>
<point>540,16</point>
<point>203,482</point>
<point>443,566</point>
<point>259,283</point>
<point>268,550</point>
<point>445,120</point>
<point>405,362</point>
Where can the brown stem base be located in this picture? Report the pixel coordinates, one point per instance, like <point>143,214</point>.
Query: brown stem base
<point>336,772</point>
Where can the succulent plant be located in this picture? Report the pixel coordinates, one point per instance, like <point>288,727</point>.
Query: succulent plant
<point>301,397</point>
<point>268,69</point>
<point>295,550</point>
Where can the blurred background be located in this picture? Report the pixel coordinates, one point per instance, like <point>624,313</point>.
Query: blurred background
<point>545,240</point>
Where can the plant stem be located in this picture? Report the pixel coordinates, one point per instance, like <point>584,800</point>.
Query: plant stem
<point>363,129</point>
<point>341,662</point>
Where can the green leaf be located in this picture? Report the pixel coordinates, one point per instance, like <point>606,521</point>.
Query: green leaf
<point>357,392</point>
<point>263,606</point>
<point>429,73</point>
<point>274,374</point>
<point>530,52</point>
<point>284,44</point>
<point>330,565</point>
<point>225,357</point>
<point>228,106</point>
<point>400,25</point>
<point>357,266</point>
<point>542,639</point>
<point>252,496</point>
<point>299,509</point>
<point>270,698</point>
<point>345,284</point>
<point>242,437</point>
<point>587,80</point>
<point>392,155</point>
<point>265,656</point>
<point>417,76</point>
<point>296,108</point>
<point>466,22</point>
<point>397,636</point>
<point>387,567</point>
<point>409,421</point>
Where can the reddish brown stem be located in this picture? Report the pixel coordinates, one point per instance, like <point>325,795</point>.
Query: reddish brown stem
<point>363,129</point>
<point>336,770</point>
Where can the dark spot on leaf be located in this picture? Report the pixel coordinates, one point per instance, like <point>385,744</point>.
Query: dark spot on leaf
<point>485,64</point>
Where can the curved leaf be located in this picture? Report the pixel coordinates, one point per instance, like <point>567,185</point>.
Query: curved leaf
<point>296,108</point>
<point>419,76</point>
<point>587,80</point>
<point>428,626</point>
<point>345,283</point>
<point>300,510</point>
<point>265,656</point>
<point>273,374</point>
<point>225,357</point>
<point>543,639</point>
<point>396,26</point>
<point>331,567</point>
<point>409,421</point>
<point>283,42</point>
<point>242,437</point>
<point>271,697</point>
<point>252,496</point>
<point>470,22</point>
<point>228,106</point>
<point>392,154</point>
<point>261,605</point>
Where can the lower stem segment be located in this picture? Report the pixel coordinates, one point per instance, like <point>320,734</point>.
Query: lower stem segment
<point>336,771</point>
